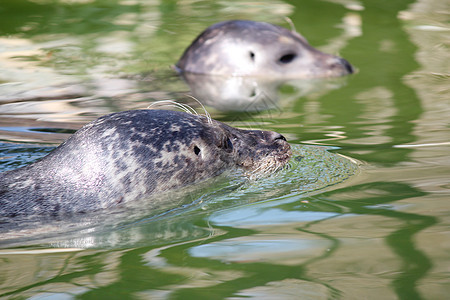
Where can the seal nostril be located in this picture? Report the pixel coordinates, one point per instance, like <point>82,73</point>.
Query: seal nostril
<point>348,67</point>
<point>281,137</point>
<point>276,136</point>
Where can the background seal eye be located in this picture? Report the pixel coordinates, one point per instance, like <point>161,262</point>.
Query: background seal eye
<point>287,58</point>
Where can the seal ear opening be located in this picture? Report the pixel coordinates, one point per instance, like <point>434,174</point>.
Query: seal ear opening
<point>196,150</point>
<point>252,55</point>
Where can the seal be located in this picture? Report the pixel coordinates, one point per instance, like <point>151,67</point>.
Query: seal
<point>131,155</point>
<point>248,48</point>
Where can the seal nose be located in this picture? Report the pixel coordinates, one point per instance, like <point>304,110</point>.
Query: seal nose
<point>346,65</point>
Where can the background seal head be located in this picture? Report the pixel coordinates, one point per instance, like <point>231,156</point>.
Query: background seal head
<point>248,48</point>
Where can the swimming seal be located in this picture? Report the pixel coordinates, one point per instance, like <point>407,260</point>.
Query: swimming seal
<point>134,154</point>
<point>248,48</point>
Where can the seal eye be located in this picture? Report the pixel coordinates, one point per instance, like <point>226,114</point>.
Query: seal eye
<point>287,58</point>
<point>227,144</point>
<point>196,150</point>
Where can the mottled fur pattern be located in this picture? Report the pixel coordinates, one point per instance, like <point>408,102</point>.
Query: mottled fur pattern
<point>132,155</point>
<point>248,48</point>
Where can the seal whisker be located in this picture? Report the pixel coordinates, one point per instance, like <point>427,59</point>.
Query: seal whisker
<point>171,103</point>
<point>291,24</point>
<point>266,167</point>
<point>207,115</point>
<point>188,108</point>
<point>184,107</point>
<point>257,171</point>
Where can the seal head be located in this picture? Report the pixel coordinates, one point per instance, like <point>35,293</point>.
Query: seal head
<point>131,155</point>
<point>248,48</point>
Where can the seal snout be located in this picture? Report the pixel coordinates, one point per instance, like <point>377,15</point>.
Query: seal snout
<point>338,66</point>
<point>271,153</point>
<point>279,141</point>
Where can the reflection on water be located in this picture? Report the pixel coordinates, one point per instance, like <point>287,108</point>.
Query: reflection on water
<point>252,258</point>
<point>267,253</point>
<point>252,94</point>
<point>382,234</point>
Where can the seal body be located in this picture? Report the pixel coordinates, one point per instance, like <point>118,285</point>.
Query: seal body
<point>248,48</point>
<point>129,155</point>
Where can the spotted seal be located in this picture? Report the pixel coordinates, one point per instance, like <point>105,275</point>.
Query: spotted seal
<point>248,48</point>
<point>125,156</point>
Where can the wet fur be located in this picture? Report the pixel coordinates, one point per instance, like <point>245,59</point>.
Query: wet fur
<point>132,155</point>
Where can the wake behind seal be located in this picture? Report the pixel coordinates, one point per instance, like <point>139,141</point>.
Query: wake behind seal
<point>125,156</point>
<point>248,48</point>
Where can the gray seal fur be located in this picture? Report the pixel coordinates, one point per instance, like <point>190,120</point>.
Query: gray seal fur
<point>129,155</point>
<point>248,48</point>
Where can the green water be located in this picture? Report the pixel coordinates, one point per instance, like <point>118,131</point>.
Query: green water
<point>371,224</point>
